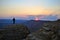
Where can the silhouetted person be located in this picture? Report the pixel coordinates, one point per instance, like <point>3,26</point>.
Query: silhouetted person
<point>13,20</point>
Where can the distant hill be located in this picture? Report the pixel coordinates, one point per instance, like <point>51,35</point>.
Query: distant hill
<point>10,21</point>
<point>4,22</point>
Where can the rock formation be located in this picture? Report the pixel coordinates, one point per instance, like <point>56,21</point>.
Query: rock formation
<point>50,31</point>
<point>14,32</point>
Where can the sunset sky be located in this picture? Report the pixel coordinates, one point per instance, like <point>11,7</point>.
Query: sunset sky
<point>24,8</point>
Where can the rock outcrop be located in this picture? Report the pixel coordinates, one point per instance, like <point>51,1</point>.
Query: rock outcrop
<point>50,31</point>
<point>14,32</point>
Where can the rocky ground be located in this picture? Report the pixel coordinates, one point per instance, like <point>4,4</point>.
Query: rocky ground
<point>50,31</point>
<point>14,32</point>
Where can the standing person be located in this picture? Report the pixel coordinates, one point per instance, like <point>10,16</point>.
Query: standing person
<point>13,20</point>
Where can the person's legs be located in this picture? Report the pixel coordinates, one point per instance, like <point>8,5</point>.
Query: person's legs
<point>13,22</point>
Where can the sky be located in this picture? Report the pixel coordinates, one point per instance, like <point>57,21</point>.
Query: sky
<point>26,8</point>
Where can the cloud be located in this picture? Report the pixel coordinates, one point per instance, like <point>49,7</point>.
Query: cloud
<point>49,17</point>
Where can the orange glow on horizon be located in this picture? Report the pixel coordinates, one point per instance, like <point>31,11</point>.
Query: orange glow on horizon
<point>18,11</point>
<point>24,12</point>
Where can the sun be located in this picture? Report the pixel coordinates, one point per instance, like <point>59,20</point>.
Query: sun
<point>36,19</point>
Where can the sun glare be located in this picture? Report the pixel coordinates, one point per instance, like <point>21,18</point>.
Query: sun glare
<point>36,19</point>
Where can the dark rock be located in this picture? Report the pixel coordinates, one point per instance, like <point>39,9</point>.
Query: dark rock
<point>15,32</point>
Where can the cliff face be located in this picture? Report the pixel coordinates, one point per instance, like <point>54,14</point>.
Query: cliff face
<point>14,32</point>
<point>49,31</point>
